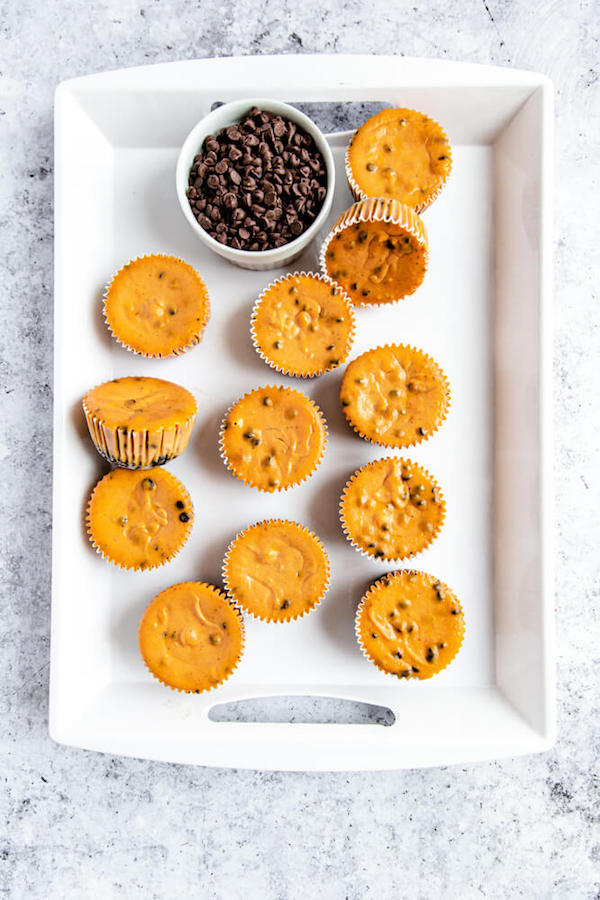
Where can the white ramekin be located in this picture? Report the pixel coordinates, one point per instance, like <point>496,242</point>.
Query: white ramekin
<point>230,114</point>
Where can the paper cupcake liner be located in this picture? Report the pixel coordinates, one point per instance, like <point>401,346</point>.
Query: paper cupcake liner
<point>284,370</point>
<point>291,618</point>
<point>418,439</point>
<point>244,480</point>
<point>132,448</point>
<point>189,507</point>
<point>235,665</point>
<point>431,537</point>
<point>178,351</point>
<point>357,631</point>
<point>359,194</point>
<point>378,209</point>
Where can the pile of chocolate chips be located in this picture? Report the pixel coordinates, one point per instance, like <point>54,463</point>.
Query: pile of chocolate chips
<point>258,184</point>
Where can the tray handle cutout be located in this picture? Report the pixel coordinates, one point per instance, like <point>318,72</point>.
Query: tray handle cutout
<point>302,710</point>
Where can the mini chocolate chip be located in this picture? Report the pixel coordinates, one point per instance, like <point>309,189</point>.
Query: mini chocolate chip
<point>180,504</point>
<point>183,517</point>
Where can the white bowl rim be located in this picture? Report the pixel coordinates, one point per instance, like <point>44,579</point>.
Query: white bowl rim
<point>237,108</point>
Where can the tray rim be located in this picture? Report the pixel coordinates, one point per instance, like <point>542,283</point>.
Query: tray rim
<point>166,76</point>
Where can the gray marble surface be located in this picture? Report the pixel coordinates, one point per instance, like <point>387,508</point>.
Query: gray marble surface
<point>79,824</point>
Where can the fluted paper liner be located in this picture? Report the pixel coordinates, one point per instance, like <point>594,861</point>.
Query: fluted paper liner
<point>189,508</point>
<point>429,537</point>
<point>281,619</point>
<point>285,370</point>
<point>131,448</point>
<point>244,479</point>
<point>385,581</point>
<point>433,194</point>
<point>234,666</point>
<point>185,346</point>
<point>378,209</point>
<point>419,438</point>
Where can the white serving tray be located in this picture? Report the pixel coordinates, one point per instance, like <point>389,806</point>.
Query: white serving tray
<point>483,312</point>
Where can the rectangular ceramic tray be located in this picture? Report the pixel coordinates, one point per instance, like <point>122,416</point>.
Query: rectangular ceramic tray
<point>482,312</point>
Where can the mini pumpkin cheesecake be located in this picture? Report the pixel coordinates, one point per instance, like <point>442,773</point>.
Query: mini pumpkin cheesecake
<point>157,306</point>
<point>377,251</point>
<point>138,520</point>
<point>395,395</point>
<point>400,154</point>
<point>303,325</point>
<point>139,422</point>
<point>391,509</point>
<point>276,570</point>
<point>273,438</point>
<point>190,637</point>
<point>410,624</point>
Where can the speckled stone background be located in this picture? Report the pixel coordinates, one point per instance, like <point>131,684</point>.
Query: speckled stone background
<point>79,824</point>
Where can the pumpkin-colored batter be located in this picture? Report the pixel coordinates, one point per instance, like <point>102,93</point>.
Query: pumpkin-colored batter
<point>399,153</point>
<point>273,437</point>
<point>139,520</point>
<point>303,325</point>
<point>395,395</point>
<point>139,422</point>
<point>277,570</point>
<point>391,509</point>
<point>410,624</point>
<point>157,306</point>
<point>191,638</point>
<point>377,252</point>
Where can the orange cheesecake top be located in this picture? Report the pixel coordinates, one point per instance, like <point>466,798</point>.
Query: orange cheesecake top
<point>303,325</point>
<point>273,437</point>
<point>277,570</point>
<point>410,624</point>
<point>378,253</point>
<point>395,395</point>
<point>139,520</point>
<point>190,637</point>
<point>402,154</point>
<point>392,508</point>
<point>157,306</point>
<point>140,403</point>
